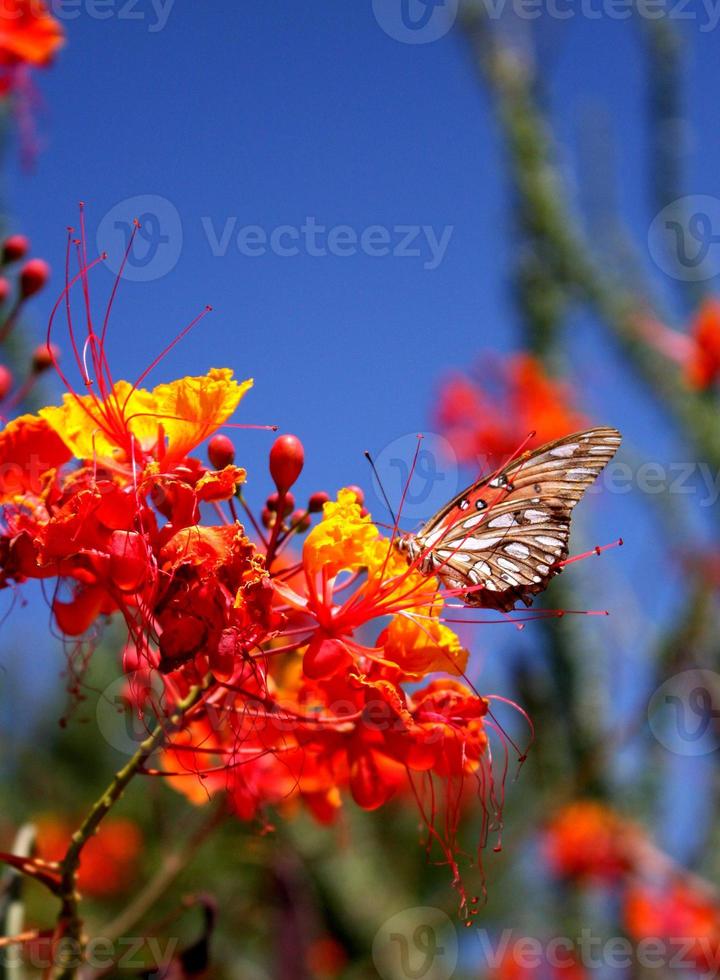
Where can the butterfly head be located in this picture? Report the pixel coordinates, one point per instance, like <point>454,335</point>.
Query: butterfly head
<point>410,546</point>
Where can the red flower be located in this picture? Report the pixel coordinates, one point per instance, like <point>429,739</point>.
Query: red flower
<point>29,34</point>
<point>696,351</point>
<point>676,913</point>
<point>588,840</point>
<point>520,963</point>
<point>109,861</point>
<point>494,417</point>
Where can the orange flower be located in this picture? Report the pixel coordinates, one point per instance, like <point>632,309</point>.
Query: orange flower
<point>29,34</point>
<point>676,913</point>
<point>29,451</point>
<point>129,423</point>
<point>703,368</point>
<point>589,840</point>
<point>697,351</point>
<point>346,541</point>
<point>519,964</point>
<point>109,858</point>
<point>494,418</point>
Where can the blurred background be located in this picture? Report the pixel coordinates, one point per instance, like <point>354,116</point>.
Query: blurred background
<point>467,219</point>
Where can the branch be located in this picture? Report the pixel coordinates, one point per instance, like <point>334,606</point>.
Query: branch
<point>69,921</point>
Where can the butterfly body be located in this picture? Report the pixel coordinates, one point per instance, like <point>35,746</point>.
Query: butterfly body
<point>501,540</point>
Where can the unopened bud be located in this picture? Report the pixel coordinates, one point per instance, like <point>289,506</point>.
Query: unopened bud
<point>274,500</point>
<point>317,501</point>
<point>221,452</point>
<point>44,357</point>
<point>33,277</point>
<point>300,521</point>
<point>6,381</point>
<point>287,457</point>
<point>15,247</point>
<point>360,494</point>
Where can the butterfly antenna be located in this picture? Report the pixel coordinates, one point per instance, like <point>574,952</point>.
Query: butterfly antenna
<point>369,458</point>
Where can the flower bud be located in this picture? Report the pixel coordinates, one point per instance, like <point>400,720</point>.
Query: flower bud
<point>325,657</point>
<point>33,277</point>
<point>221,452</point>
<point>4,289</point>
<point>360,494</point>
<point>288,503</point>
<point>44,357</point>
<point>300,521</point>
<point>317,501</point>
<point>6,381</point>
<point>268,518</point>
<point>287,457</point>
<point>15,247</point>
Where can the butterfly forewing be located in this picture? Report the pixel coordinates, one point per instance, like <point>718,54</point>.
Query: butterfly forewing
<point>502,538</point>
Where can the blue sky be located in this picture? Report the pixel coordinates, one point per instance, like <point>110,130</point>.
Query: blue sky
<point>267,114</point>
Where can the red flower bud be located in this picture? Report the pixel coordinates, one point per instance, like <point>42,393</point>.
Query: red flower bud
<point>44,357</point>
<point>33,277</point>
<point>6,381</point>
<point>221,452</point>
<point>287,457</point>
<point>15,247</point>
<point>317,500</point>
<point>288,504</point>
<point>325,658</point>
<point>300,521</point>
<point>129,565</point>
<point>4,289</point>
<point>360,494</point>
<point>268,518</point>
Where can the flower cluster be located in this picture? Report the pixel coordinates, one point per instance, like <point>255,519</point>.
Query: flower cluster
<point>303,672</point>
<point>510,404</point>
<point>29,37</point>
<point>110,859</point>
<point>696,350</point>
<point>589,843</point>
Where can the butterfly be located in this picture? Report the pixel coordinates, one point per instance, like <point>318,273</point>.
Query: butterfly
<point>501,539</point>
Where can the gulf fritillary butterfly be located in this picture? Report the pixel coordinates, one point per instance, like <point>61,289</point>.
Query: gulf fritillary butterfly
<point>501,539</point>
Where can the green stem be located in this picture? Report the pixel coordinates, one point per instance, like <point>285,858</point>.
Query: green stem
<point>70,926</point>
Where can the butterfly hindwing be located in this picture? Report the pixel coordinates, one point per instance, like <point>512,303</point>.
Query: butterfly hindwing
<point>503,537</point>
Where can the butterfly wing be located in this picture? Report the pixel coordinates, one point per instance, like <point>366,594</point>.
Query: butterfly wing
<point>503,537</point>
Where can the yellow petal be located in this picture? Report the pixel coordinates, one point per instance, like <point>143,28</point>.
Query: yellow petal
<point>192,409</point>
<point>343,540</point>
<point>420,646</point>
<point>184,413</point>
